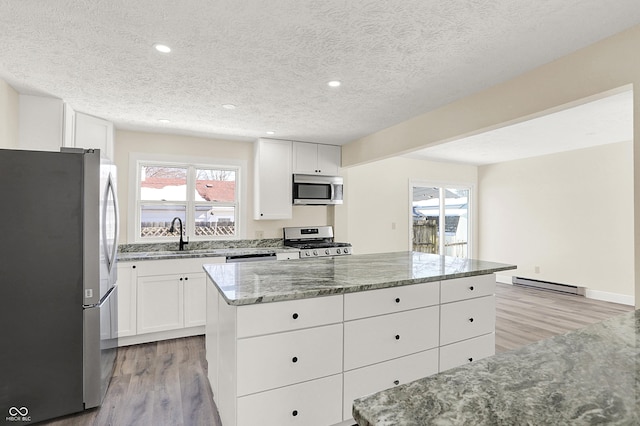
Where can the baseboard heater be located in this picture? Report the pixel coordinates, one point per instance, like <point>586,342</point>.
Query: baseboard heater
<point>546,285</point>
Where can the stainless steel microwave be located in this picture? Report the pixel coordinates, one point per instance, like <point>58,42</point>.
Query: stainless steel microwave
<point>319,190</point>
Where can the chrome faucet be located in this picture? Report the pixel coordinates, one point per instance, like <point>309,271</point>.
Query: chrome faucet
<point>182,243</point>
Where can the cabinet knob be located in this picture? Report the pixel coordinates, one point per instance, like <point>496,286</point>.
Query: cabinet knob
<point>471,288</point>
<point>186,278</point>
<point>294,413</point>
<point>134,266</point>
<point>396,382</point>
<point>397,300</point>
<point>470,359</point>
<point>294,359</point>
<point>470,319</point>
<point>261,214</point>
<point>295,315</point>
<point>397,337</point>
<point>180,278</point>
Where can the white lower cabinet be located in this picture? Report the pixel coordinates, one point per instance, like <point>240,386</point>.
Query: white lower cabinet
<point>385,375</point>
<point>161,299</point>
<point>467,351</point>
<point>303,362</point>
<point>313,403</point>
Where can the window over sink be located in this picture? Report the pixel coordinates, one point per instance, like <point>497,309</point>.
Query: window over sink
<point>206,197</point>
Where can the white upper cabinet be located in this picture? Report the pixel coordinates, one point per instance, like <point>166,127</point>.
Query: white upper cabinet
<point>316,159</point>
<point>273,180</point>
<point>94,133</point>
<point>41,123</point>
<point>47,124</point>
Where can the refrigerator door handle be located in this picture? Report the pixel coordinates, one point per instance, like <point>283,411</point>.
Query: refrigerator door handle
<point>110,196</point>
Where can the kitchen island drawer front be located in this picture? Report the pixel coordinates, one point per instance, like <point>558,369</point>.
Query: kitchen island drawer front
<point>374,378</point>
<point>466,319</point>
<point>467,288</point>
<point>314,403</point>
<point>388,300</point>
<point>372,340</point>
<point>276,360</point>
<point>265,318</point>
<point>467,351</point>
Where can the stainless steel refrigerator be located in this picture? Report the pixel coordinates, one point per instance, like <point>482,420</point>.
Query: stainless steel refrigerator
<point>58,293</point>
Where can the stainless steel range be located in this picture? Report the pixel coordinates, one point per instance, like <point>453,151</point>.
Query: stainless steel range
<point>315,241</point>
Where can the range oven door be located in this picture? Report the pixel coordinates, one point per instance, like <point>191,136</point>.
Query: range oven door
<point>318,190</point>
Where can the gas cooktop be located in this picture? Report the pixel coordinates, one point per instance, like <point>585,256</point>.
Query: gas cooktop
<point>316,241</point>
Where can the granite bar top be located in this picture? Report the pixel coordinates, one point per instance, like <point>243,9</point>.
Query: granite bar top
<point>585,377</point>
<point>259,282</point>
<point>197,249</point>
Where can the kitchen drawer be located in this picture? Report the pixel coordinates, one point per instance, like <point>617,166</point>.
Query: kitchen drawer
<point>282,359</point>
<point>467,288</point>
<point>374,378</point>
<point>467,351</point>
<point>466,319</point>
<point>372,340</point>
<point>265,318</point>
<point>314,403</point>
<point>388,300</point>
<point>174,266</point>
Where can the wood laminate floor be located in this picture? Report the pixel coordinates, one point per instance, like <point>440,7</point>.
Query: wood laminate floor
<point>165,383</point>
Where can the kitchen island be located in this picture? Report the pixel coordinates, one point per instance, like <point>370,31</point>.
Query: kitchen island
<point>585,377</point>
<point>295,342</point>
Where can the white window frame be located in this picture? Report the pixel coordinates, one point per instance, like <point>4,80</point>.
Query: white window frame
<point>471,222</point>
<point>137,160</point>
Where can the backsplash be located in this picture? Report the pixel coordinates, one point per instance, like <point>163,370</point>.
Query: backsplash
<point>200,245</point>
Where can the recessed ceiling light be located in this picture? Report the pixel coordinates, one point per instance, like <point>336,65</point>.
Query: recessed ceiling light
<point>229,106</point>
<point>163,48</point>
<point>164,120</point>
<point>334,83</point>
<point>271,132</point>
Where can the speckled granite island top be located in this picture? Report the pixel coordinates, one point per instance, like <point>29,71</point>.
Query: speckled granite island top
<point>259,282</point>
<point>585,377</point>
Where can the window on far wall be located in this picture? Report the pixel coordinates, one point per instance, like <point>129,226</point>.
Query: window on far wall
<point>205,198</point>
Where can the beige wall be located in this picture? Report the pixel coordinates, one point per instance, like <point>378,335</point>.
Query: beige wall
<point>377,200</point>
<point>129,142</point>
<point>569,214</point>
<point>9,103</point>
<point>601,67</point>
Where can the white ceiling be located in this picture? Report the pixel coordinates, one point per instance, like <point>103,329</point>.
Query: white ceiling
<point>599,122</point>
<point>396,58</point>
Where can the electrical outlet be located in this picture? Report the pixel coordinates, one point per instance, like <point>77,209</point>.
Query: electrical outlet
<point>393,225</point>
<point>259,235</point>
<point>536,269</point>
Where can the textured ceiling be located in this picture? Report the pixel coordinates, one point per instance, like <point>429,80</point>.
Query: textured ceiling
<point>396,58</point>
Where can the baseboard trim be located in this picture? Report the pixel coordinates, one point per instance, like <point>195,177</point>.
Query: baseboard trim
<point>605,296</point>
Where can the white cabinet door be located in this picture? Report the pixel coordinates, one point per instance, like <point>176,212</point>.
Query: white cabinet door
<point>316,159</point>
<point>273,180</point>
<point>160,303</point>
<point>329,160</point>
<point>281,359</point>
<point>40,123</point>
<point>466,319</point>
<point>305,158</point>
<point>94,132</point>
<point>195,302</point>
<point>467,351</point>
<point>374,378</point>
<point>376,339</point>
<point>313,403</point>
<point>126,299</point>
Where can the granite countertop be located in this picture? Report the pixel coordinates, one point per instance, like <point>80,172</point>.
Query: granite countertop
<point>259,282</point>
<point>197,249</point>
<point>585,377</point>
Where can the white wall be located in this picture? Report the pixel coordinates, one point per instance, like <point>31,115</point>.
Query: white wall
<point>9,105</point>
<point>377,196</point>
<point>128,142</point>
<point>570,214</point>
